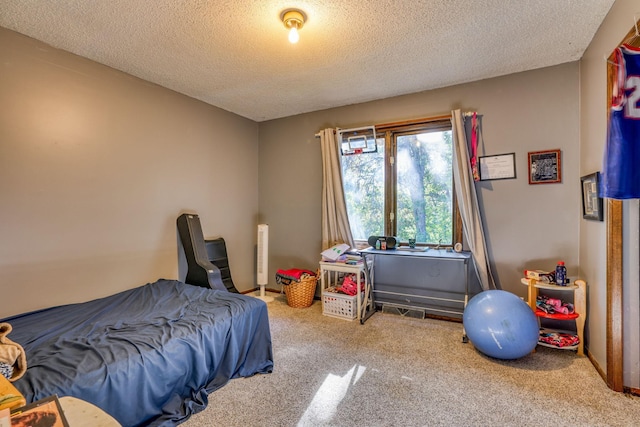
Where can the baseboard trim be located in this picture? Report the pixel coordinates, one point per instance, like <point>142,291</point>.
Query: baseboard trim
<point>275,291</point>
<point>595,364</point>
<point>632,391</point>
<point>627,390</point>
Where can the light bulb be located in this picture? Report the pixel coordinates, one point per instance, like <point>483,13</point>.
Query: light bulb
<point>293,34</point>
<point>293,20</point>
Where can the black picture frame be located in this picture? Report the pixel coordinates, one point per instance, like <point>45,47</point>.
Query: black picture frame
<point>545,167</point>
<point>499,166</point>
<point>48,407</point>
<point>592,205</point>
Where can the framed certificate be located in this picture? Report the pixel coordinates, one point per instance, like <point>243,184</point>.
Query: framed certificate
<point>500,166</point>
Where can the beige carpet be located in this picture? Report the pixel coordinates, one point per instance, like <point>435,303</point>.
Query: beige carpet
<point>400,371</point>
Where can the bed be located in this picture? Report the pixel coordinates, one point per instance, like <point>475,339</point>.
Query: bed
<point>148,355</point>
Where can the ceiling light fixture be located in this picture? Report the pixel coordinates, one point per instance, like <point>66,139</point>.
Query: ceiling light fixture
<point>293,20</point>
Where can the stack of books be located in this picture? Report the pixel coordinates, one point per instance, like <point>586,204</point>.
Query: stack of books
<point>348,258</point>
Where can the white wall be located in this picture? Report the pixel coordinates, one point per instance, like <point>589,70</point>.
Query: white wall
<point>593,128</point>
<point>95,167</point>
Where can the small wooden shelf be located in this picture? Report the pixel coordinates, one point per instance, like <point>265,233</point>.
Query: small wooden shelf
<point>579,290</point>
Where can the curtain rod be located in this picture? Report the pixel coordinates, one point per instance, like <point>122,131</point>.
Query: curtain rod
<point>413,121</point>
<point>422,120</point>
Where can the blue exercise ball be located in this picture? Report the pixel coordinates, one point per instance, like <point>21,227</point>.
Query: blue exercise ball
<point>500,325</point>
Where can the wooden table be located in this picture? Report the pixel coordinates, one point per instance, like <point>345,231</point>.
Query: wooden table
<point>80,413</point>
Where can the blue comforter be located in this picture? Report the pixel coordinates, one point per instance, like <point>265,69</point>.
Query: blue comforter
<point>147,356</point>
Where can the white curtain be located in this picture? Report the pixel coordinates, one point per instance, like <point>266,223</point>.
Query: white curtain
<point>335,222</point>
<point>468,202</point>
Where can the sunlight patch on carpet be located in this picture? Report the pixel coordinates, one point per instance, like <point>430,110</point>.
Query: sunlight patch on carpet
<point>326,400</point>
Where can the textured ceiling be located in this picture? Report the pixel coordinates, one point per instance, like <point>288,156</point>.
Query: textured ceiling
<point>235,54</point>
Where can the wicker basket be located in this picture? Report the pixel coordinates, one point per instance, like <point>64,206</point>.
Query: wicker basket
<point>300,294</point>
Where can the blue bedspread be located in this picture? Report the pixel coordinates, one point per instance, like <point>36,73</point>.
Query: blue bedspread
<point>147,356</point>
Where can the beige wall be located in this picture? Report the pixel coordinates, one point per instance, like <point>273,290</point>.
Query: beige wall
<point>593,128</point>
<point>528,226</point>
<point>95,167</point>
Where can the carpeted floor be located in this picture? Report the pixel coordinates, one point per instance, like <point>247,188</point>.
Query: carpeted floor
<point>400,371</point>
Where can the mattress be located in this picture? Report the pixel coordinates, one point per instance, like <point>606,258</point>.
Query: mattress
<point>148,355</point>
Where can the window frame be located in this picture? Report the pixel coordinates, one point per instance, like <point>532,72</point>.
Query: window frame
<point>390,133</point>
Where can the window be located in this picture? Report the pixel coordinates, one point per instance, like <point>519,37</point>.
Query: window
<point>405,188</point>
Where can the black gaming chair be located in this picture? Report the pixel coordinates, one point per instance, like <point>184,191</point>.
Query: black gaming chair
<point>217,254</point>
<point>201,270</point>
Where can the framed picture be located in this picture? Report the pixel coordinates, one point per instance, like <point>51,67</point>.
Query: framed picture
<point>45,412</point>
<point>500,166</point>
<point>592,206</point>
<point>545,167</point>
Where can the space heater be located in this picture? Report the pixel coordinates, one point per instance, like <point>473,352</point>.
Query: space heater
<point>262,266</point>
